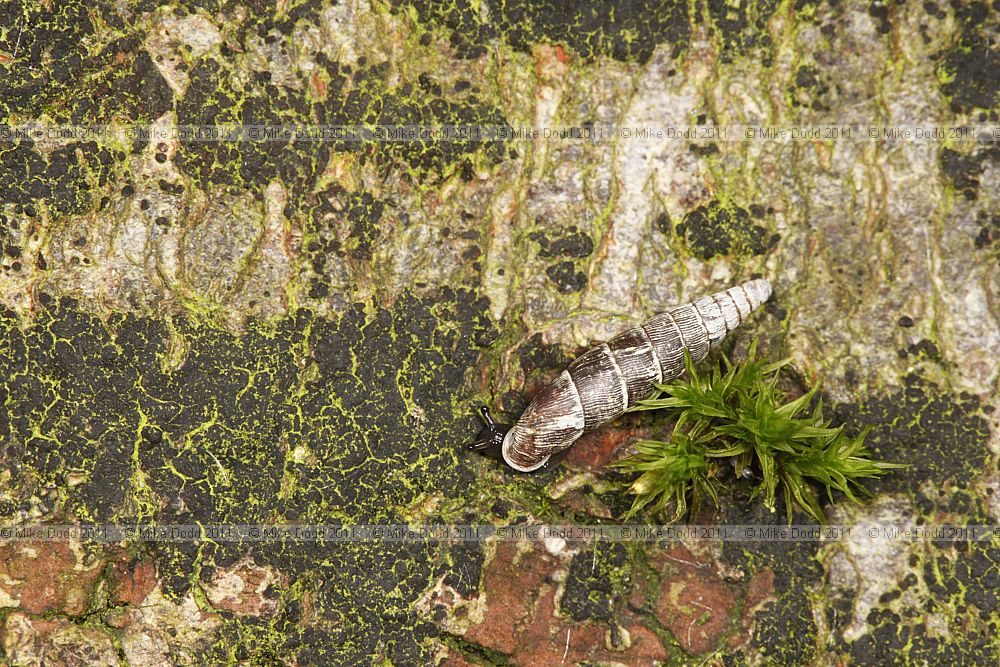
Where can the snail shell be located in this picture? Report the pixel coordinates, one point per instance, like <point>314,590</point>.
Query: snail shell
<point>611,377</point>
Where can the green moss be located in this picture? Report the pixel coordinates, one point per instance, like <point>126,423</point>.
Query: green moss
<point>738,416</point>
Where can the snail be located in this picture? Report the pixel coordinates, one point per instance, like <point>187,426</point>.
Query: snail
<point>609,378</point>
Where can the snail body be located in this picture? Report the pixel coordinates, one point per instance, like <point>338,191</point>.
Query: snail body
<point>608,379</point>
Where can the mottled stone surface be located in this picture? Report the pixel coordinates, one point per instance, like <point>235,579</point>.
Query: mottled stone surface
<point>296,331</point>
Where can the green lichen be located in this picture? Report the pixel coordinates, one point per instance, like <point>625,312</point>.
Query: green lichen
<point>621,30</point>
<point>719,228</point>
<point>596,583</point>
<point>210,441</point>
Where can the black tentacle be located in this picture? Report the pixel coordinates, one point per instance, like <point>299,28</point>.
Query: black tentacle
<point>490,439</point>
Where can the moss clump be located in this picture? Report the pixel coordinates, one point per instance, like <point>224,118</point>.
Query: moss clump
<point>739,416</point>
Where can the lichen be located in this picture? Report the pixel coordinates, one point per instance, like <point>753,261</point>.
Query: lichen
<point>210,441</point>
<point>298,331</point>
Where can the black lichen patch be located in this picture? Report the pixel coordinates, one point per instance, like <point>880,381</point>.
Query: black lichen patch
<point>923,348</point>
<point>663,223</point>
<point>536,354</point>
<point>892,641</point>
<point>964,170</point>
<point>743,27</point>
<point>343,224</point>
<point>879,11</point>
<point>939,435</point>
<point>574,243</point>
<point>67,179</point>
<point>619,29</point>
<point>976,573</point>
<point>367,98</point>
<point>352,99</point>
<point>215,97</point>
<point>60,376</point>
<point>595,582</point>
<point>961,583</point>
<point>809,89</point>
<point>971,68</point>
<point>566,277</point>
<point>78,64</point>
<point>304,420</point>
<point>989,234</point>
<point>784,630</point>
<point>464,567</point>
<point>62,66</point>
<point>976,81</point>
<point>364,213</point>
<point>703,151</point>
<point>717,229</point>
<point>10,252</point>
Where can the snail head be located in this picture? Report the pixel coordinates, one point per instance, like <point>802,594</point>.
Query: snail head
<point>489,442</point>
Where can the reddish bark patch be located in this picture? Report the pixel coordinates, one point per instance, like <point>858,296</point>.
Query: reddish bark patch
<point>639,594</point>
<point>645,645</point>
<point>759,590</point>
<point>48,576</point>
<point>702,608</point>
<point>456,660</point>
<point>550,62</point>
<point>244,589</point>
<point>521,620</point>
<point>551,641</point>
<point>596,449</point>
<point>132,581</point>
<point>695,603</point>
<point>319,86</point>
<point>512,583</point>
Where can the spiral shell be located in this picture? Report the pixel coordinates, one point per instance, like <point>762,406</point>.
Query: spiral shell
<point>609,378</point>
